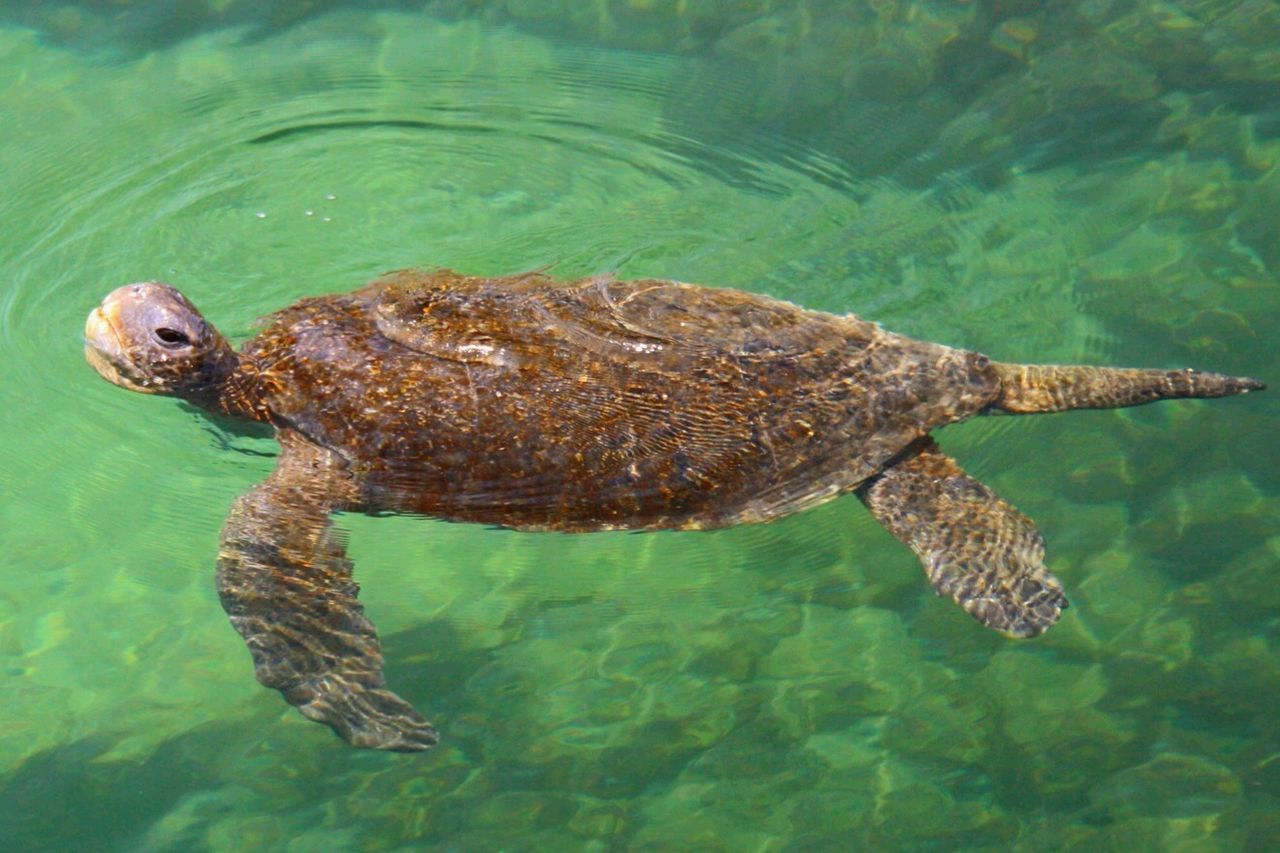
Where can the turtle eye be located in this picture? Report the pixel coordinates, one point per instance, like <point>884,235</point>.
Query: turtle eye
<point>172,338</point>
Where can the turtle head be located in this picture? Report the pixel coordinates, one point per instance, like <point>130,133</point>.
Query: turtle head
<point>149,337</point>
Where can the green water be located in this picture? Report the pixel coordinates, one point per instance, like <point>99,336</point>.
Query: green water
<point>1047,182</point>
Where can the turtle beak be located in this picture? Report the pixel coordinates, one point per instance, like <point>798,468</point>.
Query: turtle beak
<point>103,348</point>
<point>98,332</point>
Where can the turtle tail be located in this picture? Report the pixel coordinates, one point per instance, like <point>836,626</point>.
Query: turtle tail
<point>1031,388</point>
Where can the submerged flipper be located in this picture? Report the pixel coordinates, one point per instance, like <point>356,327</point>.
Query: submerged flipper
<point>975,548</point>
<point>285,581</point>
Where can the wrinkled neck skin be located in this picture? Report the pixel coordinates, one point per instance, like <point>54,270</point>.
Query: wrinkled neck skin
<point>227,388</point>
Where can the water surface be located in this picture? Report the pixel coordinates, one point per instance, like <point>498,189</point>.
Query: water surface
<point>1095,183</point>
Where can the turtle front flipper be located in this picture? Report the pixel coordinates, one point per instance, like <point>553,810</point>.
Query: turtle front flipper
<point>285,581</point>
<point>975,548</point>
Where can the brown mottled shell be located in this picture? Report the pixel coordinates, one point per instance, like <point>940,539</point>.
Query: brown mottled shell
<point>601,404</point>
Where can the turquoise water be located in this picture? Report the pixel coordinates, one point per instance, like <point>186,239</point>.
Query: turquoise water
<point>1094,182</point>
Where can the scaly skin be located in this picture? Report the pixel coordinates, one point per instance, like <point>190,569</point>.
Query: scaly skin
<point>975,547</point>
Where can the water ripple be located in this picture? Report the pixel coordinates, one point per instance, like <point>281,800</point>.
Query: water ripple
<point>251,175</point>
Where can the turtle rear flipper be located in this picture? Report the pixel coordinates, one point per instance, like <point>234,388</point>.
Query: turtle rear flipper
<point>286,583</point>
<point>975,548</point>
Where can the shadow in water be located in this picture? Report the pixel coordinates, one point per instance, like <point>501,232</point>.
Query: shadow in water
<point>69,798</point>
<point>61,798</point>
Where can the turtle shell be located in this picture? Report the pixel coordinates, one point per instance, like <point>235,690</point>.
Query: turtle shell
<point>599,403</point>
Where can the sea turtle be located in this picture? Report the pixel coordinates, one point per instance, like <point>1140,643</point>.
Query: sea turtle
<point>595,404</point>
